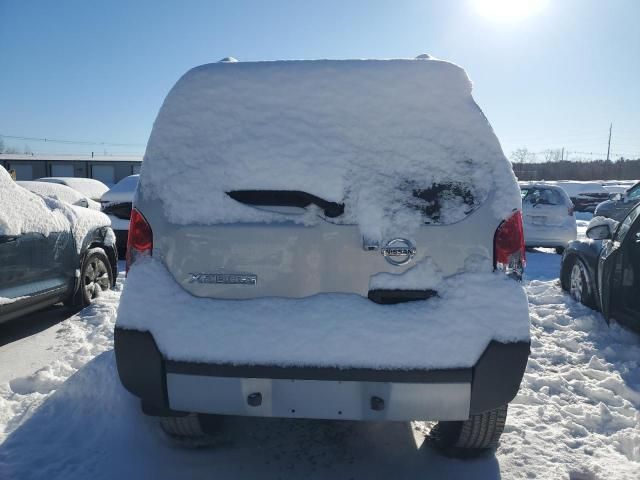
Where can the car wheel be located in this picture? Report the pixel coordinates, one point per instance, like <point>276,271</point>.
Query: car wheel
<point>96,277</point>
<point>470,437</point>
<point>187,431</point>
<point>579,282</point>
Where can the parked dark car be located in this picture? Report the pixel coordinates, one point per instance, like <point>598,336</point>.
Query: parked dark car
<point>605,273</point>
<point>116,204</point>
<point>620,204</point>
<point>586,196</point>
<point>50,252</point>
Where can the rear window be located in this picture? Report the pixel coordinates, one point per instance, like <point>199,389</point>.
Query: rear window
<point>443,203</point>
<point>326,133</point>
<point>541,196</point>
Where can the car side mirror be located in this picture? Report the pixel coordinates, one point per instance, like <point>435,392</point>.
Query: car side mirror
<point>599,232</point>
<point>616,197</point>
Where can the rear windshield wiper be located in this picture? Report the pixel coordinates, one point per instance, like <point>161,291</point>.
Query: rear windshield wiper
<point>286,198</point>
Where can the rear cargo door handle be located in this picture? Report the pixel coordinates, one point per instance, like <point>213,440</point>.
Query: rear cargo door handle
<point>7,238</point>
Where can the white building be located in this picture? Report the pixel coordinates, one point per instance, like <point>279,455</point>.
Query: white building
<point>109,169</point>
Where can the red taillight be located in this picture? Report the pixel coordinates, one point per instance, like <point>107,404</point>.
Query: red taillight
<point>571,210</point>
<point>508,246</point>
<point>140,239</point>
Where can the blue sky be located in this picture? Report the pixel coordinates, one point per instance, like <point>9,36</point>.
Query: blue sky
<point>99,71</point>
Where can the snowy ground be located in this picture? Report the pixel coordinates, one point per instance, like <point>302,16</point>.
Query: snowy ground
<point>576,415</point>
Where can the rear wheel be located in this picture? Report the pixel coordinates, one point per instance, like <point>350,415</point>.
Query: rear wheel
<point>187,431</point>
<point>470,437</point>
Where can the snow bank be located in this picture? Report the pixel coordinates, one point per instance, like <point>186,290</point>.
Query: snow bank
<point>576,414</point>
<point>328,329</point>
<point>362,132</point>
<point>78,340</point>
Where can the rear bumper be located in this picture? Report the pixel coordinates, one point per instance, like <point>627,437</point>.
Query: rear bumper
<point>168,387</point>
<point>552,236</point>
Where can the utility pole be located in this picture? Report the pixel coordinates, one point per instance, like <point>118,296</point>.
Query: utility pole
<point>609,145</point>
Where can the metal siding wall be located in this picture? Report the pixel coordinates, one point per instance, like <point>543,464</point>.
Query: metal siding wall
<point>81,168</point>
<point>38,167</point>
<point>123,169</point>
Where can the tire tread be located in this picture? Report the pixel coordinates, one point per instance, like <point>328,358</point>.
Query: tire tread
<point>479,433</point>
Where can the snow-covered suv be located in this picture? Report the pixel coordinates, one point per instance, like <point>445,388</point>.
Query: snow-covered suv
<point>326,239</point>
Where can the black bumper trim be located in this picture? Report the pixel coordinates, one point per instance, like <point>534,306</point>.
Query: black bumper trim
<point>494,379</point>
<point>460,375</point>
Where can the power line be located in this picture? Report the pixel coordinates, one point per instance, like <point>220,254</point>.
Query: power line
<point>71,142</point>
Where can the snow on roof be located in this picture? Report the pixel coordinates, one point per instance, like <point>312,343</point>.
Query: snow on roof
<point>353,131</point>
<point>85,158</point>
<point>122,191</point>
<point>90,187</point>
<point>54,190</point>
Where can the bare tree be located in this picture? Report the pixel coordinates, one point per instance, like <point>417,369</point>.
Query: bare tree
<point>552,155</point>
<point>522,155</point>
<point>1,145</point>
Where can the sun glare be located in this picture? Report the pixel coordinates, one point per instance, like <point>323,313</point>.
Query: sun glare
<point>508,10</point>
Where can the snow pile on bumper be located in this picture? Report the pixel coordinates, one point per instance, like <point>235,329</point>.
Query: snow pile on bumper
<point>334,330</point>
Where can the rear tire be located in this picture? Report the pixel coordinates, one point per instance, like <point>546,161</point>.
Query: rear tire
<point>470,437</point>
<point>187,431</point>
<point>187,426</point>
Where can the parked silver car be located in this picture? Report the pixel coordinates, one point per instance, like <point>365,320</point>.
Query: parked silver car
<point>549,219</point>
<point>325,239</point>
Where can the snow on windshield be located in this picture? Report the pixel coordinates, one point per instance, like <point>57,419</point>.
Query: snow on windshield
<point>352,131</point>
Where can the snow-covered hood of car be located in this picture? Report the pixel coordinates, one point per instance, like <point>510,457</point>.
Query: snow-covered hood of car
<point>25,212</point>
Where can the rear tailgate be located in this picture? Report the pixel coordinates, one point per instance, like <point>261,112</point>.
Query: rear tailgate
<point>239,261</point>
